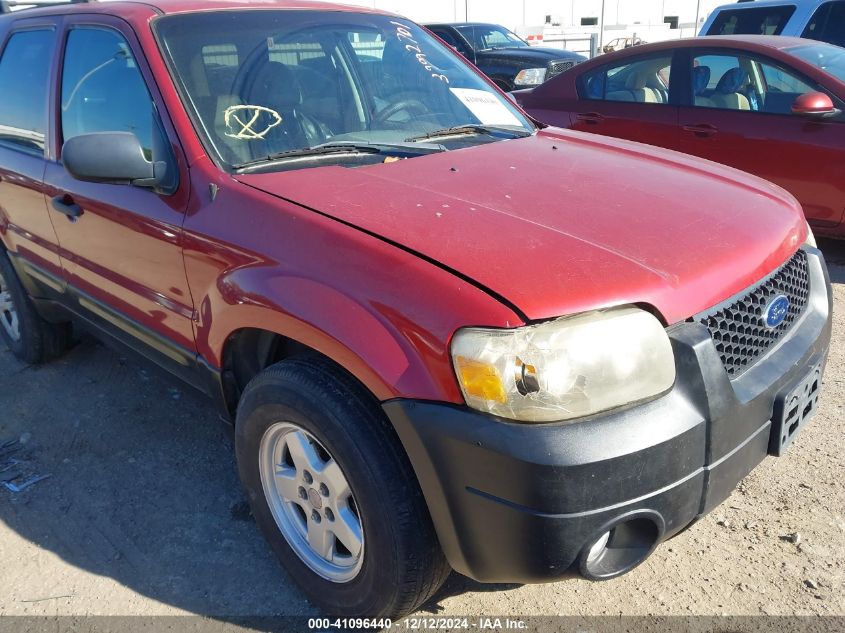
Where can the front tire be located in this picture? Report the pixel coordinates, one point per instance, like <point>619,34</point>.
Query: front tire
<point>28,336</point>
<point>333,492</point>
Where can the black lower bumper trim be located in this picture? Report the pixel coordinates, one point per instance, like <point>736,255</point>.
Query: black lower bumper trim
<point>522,503</point>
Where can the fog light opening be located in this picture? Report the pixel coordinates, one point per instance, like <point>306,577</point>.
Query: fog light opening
<point>619,549</point>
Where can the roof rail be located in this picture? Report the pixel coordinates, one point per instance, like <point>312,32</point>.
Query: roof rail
<point>7,6</point>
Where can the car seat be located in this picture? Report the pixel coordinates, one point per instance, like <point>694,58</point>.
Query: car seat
<point>596,85</point>
<point>637,90</point>
<point>401,70</point>
<point>728,94</point>
<point>700,81</point>
<point>273,85</point>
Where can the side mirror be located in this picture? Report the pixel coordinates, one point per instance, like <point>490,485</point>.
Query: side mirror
<point>112,157</point>
<point>814,104</point>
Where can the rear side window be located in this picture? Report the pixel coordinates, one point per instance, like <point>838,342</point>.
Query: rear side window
<point>642,81</point>
<point>758,21</point>
<point>446,36</point>
<point>220,55</point>
<point>452,41</point>
<point>828,24</point>
<point>24,77</point>
<point>102,88</point>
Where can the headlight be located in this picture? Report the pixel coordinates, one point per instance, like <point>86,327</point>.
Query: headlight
<point>530,77</point>
<point>811,238</point>
<point>567,368</point>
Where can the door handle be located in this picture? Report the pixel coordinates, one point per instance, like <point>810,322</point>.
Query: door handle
<point>590,118</point>
<point>66,206</point>
<point>704,130</point>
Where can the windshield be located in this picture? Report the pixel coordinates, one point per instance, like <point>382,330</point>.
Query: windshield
<point>830,59</point>
<point>264,83</point>
<point>486,36</point>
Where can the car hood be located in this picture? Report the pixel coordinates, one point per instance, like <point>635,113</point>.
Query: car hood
<point>533,54</point>
<point>564,222</point>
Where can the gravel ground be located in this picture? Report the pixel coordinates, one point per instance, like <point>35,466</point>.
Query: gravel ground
<point>143,515</point>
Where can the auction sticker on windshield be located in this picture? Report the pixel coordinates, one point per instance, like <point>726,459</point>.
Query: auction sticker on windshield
<point>486,106</point>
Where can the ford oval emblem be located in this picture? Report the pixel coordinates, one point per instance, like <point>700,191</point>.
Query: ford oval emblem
<point>776,312</point>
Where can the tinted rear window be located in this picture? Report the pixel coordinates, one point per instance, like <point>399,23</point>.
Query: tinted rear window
<point>757,21</point>
<point>24,73</point>
<point>828,24</point>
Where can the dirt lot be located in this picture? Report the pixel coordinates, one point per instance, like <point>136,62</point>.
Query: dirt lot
<point>143,515</point>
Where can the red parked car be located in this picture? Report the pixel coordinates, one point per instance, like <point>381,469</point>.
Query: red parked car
<point>444,339</point>
<point>771,106</point>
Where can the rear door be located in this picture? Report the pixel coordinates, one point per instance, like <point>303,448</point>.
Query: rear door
<point>26,65</point>
<point>122,256</point>
<point>743,118</point>
<point>634,99</point>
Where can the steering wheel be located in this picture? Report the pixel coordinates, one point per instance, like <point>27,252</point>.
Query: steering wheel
<point>411,106</point>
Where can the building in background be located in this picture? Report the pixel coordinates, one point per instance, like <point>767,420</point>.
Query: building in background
<point>559,22</point>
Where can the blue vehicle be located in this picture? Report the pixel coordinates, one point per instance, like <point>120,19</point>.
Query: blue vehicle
<point>822,20</point>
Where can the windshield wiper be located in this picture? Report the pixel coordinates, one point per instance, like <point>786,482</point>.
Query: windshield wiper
<point>326,149</point>
<point>317,150</point>
<point>469,130</point>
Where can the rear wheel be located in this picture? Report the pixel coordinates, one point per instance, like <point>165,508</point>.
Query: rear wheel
<point>29,337</point>
<point>333,492</point>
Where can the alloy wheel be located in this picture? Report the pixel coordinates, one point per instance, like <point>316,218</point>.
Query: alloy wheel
<point>312,502</point>
<point>8,312</point>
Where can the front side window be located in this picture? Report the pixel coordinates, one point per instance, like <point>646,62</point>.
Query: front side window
<point>24,73</point>
<point>828,24</point>
<point>264,85</point>
<point>103,89</point>
<point>752,21</point>
<point>642,81</point>
<point>746,83</point>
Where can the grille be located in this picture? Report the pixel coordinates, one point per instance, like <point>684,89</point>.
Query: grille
<point>557,67</point>
<point>739,330</point>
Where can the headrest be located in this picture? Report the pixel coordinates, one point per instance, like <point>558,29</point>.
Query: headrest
<point>595,86</point>
<point>274,85</point>
<point>637,81</point>
<point>701,79</point>
<point>394,50</point>
<point>732,81</point>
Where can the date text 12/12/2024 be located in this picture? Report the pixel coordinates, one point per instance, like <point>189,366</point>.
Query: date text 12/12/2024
<point>419,624</point>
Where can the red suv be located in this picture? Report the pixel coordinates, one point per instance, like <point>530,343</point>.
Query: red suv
<point>444,338</point>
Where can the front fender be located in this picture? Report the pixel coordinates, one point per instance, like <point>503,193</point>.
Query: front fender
<point>384,314</point>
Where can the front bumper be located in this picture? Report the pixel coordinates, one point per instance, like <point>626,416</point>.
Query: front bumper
<point>523,503</point>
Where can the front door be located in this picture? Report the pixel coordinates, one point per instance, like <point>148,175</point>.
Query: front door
<point>742,117</point>
<point>120,245</point>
